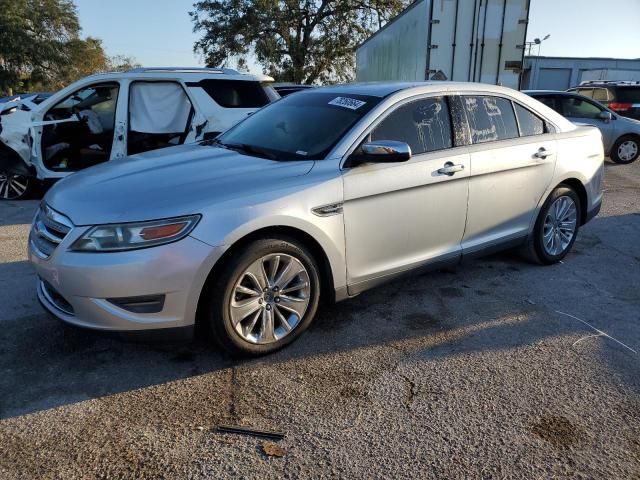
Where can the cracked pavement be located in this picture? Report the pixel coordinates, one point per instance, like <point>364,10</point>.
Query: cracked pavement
<point>465,373</point>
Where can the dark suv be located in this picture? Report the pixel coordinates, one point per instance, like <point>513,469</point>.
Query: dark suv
<point>621,97</point>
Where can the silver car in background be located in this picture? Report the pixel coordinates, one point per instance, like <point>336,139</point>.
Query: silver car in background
<point>620,135</point>
<point>322,194</point>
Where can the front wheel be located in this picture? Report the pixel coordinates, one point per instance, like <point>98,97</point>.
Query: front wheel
<point>626,149</point>
<point>556,228</point>
<point>265,298</point>
<point>14,186</point>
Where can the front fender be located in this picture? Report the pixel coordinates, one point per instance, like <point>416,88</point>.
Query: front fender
<point>226,224</point>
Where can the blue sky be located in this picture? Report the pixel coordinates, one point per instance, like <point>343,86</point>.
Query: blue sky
<point>159,32</point>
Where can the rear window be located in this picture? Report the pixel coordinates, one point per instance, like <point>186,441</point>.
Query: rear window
<point>234,93</point>
<point>628,94</point>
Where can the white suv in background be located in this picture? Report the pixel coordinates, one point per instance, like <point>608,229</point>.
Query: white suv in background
<point>113,115</point>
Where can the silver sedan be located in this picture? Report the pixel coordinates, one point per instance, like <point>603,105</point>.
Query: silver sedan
<point>320,195</point>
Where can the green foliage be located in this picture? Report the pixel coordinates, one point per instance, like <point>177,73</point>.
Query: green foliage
<point>41,48</point>
<point>302,41</point>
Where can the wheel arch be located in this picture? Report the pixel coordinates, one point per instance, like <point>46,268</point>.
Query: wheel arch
<point>327,288</point>
<point>578,187</point>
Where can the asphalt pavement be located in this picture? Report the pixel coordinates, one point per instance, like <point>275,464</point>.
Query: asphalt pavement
<point>496,369</point>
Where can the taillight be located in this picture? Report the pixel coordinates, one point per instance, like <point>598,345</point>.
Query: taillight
<point>620,107</point>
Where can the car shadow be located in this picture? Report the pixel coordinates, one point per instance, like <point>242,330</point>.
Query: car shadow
<point>496,303</point>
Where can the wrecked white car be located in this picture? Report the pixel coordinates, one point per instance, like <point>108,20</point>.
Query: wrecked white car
<point>113,115</point>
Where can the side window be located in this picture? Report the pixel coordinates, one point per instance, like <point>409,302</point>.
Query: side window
<point>600,94</point>
<point>96,102</point>
<point>159,114</point>
<point>585,92</point>
<point>424,124</point>
<point>235,93</point>
<point>490,118</point>
<point>530,124</point>
<point>579,108</point>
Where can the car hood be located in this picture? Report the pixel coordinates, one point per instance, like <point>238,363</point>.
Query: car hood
<point>165,183</point>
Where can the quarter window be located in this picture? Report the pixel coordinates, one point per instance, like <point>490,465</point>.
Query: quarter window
<point>424,124</point>
<point>529,123</point>
<point>490,119</point>
<point>234,93</point>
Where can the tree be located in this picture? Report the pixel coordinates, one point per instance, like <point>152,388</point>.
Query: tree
<point>302,41</point>
<point>41,48</point>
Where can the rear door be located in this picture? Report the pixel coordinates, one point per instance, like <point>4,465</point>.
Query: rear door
<point>403,215</point>
<point>512,164</point>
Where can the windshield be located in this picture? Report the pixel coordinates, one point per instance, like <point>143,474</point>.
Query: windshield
<point>298,127</point>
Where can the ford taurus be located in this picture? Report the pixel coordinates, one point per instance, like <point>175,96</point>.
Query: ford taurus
<point>323,194</point>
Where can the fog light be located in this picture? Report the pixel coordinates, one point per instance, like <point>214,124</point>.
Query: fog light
<point>144,304</point>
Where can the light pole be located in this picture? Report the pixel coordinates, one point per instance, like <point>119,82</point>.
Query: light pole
<point>538,42</point>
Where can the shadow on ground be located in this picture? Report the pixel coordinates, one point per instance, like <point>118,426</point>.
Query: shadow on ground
<point>495,303</point>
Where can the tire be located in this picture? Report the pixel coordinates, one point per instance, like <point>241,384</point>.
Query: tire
<point>539,249</point>
<point>626,149</point>
<point>15,186</point>
<point>228,298</point>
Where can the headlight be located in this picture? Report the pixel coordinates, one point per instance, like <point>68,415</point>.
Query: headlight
<point>130,236</point>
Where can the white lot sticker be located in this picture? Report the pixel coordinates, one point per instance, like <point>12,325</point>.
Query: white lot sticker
<point>350,103</point>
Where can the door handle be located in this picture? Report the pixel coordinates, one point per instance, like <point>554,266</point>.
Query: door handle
<point>450,169</point>
<point>543,153</point>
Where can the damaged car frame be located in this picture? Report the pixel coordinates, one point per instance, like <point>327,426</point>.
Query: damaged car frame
<point>114,115</point>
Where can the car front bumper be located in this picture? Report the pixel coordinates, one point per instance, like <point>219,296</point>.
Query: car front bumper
<point>79,288</point>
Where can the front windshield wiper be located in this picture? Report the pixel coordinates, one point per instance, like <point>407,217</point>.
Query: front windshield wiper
<point>246,148</point>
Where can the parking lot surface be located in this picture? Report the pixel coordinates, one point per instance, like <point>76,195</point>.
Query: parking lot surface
<point>497,369</point>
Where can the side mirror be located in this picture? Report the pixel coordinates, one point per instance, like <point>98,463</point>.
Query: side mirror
<point>606,116</point>
<point>380,151</point>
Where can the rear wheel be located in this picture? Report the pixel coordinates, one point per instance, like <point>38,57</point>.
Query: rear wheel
<point>265,298</point>
<point>14,186</point>
<point>626,149</point>
<point>556,228</point>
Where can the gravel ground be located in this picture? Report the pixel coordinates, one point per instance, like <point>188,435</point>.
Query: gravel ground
<point>493,370</point>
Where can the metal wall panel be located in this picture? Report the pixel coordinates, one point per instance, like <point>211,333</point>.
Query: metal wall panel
<point>397,51</point>
<point>466,40</point>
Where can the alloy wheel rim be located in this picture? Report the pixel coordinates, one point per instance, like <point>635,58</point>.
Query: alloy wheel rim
<point>627,150</point>
<point>12,185</point>
<point>270,298</point>
<point>560,225</point>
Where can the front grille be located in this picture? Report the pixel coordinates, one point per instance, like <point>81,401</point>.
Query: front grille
<point>55,299</point>
<point>48,230</point>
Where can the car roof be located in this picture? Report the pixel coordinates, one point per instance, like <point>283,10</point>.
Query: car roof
<point>192,74</point>
<point>384,89</point>
<point>551,92</point>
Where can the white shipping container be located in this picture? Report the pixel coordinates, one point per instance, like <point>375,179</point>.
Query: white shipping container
<point>462,40</point>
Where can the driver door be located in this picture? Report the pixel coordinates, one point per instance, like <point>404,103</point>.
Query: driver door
<point>399,216</point>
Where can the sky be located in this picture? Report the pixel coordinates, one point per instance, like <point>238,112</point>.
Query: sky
<point>159,32</point>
